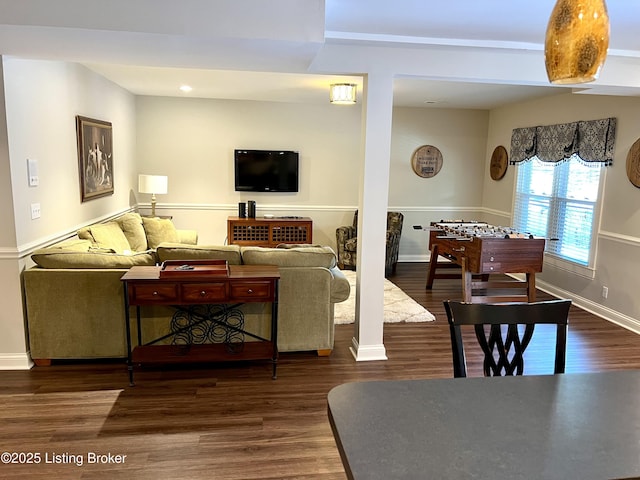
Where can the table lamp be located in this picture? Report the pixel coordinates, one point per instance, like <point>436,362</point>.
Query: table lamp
<point>153,184</point>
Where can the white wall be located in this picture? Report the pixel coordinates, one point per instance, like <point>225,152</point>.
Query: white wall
<point>42,99</point>
<point>193,140</point>
<point>618,251</point>
<point>456,191</point>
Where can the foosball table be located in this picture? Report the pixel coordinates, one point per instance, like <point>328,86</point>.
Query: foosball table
<point>480,250</point>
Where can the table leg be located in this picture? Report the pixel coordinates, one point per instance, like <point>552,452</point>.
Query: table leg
<point>467,278</point>
<point>127,327</point>
<point>531,287</point>
<point>274,330</point>
<point>433,265</point>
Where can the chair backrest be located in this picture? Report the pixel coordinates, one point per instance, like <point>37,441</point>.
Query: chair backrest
<point>503,348</point>
<point>394,220</point>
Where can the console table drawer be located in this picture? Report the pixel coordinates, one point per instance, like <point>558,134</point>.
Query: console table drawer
<point>154,293</point>
<point>204,292</point>
<point>251,291</point>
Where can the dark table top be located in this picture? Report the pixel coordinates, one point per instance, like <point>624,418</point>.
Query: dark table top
<point>571,426</point>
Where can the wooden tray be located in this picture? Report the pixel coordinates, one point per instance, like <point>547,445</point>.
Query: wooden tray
<point>193,268</point>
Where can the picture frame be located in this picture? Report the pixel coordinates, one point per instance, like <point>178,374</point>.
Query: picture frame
<point>95,157</point>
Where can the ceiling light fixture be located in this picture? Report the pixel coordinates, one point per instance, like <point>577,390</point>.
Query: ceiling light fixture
<point>343,93</point>
<point>577,40</point>
<point>185,88</point>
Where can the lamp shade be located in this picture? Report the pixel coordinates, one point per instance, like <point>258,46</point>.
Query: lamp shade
<point>577,40</point>
<point>343,93</point>
<point>155,184</point>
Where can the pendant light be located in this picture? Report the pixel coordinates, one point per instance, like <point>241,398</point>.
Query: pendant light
<point>577,40</point>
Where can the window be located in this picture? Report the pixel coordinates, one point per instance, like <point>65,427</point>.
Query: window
<point>559,202</point>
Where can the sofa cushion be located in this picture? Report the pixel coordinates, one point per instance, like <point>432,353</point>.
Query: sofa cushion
<point>75,244</point>
<point>61,258</point>
<point>159,230</point>
<point>179,251</point>
<point>110,235</point>
<point>302,256</point>
<point>131,225</point>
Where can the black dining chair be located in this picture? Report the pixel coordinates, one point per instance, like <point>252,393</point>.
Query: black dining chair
<point>503,344</point>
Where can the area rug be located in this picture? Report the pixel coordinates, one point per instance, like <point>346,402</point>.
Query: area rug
<point>398,306</point>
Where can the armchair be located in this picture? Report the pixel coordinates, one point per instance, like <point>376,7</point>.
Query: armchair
<point>347,242</point>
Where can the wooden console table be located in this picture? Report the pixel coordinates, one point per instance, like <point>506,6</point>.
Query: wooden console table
<point>191,294</point>
<point>269,232</point>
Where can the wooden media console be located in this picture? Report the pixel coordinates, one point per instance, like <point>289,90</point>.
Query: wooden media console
<point>269,232</point>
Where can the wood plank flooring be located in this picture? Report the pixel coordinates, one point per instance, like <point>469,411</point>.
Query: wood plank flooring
<point>227,422</point>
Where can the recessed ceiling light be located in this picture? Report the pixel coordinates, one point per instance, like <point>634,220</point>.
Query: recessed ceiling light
<point>186,88</point>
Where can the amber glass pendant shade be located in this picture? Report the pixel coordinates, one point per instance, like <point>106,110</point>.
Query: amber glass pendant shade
<point>577,41</point>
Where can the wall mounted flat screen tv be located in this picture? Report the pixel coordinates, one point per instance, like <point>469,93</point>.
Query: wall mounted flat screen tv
<point>266,171</point>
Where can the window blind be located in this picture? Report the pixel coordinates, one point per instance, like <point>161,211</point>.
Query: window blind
<point>558,202</point>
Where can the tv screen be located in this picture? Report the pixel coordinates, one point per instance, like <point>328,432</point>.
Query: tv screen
<point>266,171</point>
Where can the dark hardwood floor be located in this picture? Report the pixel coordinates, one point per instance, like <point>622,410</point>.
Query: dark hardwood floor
<point>232,421</point>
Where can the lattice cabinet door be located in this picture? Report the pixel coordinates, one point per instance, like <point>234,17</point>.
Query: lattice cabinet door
<point>269,232</point>
<point>250,234</point>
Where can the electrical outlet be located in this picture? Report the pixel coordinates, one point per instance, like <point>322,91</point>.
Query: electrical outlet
<point>35,211</point>
<point>605,292</point>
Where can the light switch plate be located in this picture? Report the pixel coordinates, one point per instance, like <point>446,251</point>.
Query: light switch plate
<point>35,211</point>
<point>32,170</point>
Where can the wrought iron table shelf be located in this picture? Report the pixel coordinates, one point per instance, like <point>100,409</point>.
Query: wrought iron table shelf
<point>207,325</point>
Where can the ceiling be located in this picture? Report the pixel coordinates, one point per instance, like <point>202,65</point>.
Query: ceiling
<point>461,54</point>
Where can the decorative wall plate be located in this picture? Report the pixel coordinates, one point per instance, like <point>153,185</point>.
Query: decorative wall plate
<point>499,163</point>
<point>426,161</point>
<point>633,164</point>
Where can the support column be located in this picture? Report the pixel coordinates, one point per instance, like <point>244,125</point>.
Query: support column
<point>377,110</point>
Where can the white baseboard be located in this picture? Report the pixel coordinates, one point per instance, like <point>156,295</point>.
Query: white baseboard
<point>17,361</point>
<point>601,311</point>
<point>597,309</point>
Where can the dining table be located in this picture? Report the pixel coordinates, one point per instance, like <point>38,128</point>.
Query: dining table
<point>583,426</point>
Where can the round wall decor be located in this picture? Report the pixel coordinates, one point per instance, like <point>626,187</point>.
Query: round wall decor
<point>633,164</point>
<point>426,161</point>
<point>499,163</point>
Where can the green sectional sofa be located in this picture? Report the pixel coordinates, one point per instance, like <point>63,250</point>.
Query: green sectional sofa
<point>75,300</point>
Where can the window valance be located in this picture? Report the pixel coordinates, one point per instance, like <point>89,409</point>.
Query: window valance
<point>592,141</point>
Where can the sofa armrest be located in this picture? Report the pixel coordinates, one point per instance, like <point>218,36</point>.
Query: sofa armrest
<point>189,237</point>
<point>340,288</point>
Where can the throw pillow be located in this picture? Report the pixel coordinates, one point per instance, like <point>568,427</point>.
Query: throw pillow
<point>110,235</point>
<point>159,230</point>
<point>131,225</point>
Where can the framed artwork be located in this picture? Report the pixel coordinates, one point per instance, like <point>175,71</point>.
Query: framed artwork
<point>426,161</point>
<point>95,157</point>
